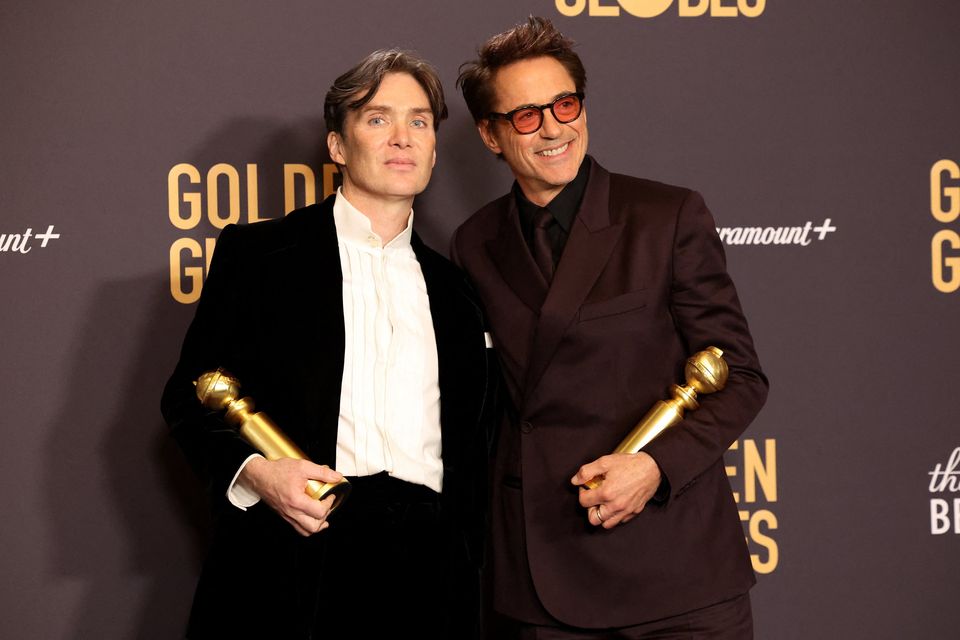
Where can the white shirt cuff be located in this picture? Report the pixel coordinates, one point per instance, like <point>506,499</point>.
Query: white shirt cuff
<point>240,496</point>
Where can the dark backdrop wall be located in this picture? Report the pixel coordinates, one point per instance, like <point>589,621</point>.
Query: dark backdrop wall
<point>824,135</point>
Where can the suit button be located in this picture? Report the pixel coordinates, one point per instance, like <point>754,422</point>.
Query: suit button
<point>526,427</point>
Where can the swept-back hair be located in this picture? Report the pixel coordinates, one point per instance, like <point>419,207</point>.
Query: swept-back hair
<point>365,79</point>
<point>531,39</point>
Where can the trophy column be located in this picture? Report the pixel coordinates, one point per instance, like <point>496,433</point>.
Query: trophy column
<point>218,390</point>
<point>706,372</point>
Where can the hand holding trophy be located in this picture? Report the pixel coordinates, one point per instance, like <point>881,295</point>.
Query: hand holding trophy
<point>706,372</point>
<point>218,390</point>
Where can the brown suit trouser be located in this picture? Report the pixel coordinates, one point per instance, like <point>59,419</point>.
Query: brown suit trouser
<point>730,620</point>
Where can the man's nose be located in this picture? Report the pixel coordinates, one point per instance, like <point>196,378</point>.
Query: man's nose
<point>550,127</point>
<point>399,135</point>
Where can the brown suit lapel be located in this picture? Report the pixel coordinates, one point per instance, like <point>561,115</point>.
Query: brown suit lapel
<point>591,242</point>
<point>512,257</point>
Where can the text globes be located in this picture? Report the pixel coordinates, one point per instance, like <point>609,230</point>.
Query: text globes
<point>654,8</point>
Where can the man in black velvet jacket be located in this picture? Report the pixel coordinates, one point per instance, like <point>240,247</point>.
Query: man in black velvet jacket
<point>369,350</point>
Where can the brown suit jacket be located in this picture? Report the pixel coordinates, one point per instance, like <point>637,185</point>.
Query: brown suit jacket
<point>641,285</point>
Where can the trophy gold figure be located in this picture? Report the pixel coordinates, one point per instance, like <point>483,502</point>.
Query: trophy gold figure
<point>706,372</point>
<point>218,390</point>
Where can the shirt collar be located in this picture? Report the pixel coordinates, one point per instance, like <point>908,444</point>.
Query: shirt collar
<point>564,205</point>
<point>353,227</point>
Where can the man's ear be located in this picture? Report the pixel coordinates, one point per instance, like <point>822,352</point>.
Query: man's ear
<point>335,148</point>
<point>485,127</point>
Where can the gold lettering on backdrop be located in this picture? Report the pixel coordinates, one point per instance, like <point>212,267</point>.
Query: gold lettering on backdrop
<point>567,9</point>
<point>760,469</point>
<point>721,8</point>
<point>940,195</point>
<point>223,199</point>
<point>946,268</point>
<point>693,8</point>
<point>654,8</point>
<point>290,174</point>
<point>945,208</point>
<point>718,10</point>
<point>253,197</point>
<point>757,468</point>
<point>645,8</point>
<point>751,10</point>
<point>175,197</point>
<point>216,172</point>
<point>757,522</point>
<point>329,185</point>
<point>305,195</point>
<point>597,9</point>
<point>187,281</point>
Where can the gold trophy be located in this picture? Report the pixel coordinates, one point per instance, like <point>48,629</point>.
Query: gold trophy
<point>706,372</point>
<point>218,390</point>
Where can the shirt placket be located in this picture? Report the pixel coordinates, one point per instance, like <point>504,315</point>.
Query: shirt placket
<point>385,336</point>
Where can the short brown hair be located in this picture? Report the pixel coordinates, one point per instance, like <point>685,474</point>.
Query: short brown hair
<point>531,39</point>
<point>366,77</point>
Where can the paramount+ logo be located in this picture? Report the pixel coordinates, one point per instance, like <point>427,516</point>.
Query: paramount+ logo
<point>654,8</point>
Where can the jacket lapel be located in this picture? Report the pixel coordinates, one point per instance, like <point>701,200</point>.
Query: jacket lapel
<point>589,247</point>
<point>439,294</point>
<point>316,315</point>
<point>319,279</point>
<point>461,355</point>
<point>512,257</point>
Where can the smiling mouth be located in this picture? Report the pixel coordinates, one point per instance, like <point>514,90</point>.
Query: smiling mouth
<point>554,152</point>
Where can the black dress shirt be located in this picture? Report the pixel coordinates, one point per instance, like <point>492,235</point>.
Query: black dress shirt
<point>563,207</point>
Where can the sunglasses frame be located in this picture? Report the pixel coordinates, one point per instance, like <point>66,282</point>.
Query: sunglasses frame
<point>508,116</point>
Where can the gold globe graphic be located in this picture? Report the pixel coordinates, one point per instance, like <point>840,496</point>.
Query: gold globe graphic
<point>645,8</point>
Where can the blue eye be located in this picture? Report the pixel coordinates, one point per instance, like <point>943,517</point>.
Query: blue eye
<point>376,120</point>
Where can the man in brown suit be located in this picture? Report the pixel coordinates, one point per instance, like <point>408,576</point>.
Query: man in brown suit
<point>598,287</point>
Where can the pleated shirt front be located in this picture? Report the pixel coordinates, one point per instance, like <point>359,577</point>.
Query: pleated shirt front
<point>390,395</point>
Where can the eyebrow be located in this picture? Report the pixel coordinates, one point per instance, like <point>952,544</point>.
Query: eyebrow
<point>552,100</point>
<point>389,109</point>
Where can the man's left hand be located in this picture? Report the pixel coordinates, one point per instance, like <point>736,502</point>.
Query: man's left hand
<point>629,481</point>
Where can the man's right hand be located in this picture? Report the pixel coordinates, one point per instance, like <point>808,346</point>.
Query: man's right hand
<point>281,483</point>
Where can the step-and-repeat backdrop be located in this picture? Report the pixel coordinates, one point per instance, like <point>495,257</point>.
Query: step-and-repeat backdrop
<point>825,136</point>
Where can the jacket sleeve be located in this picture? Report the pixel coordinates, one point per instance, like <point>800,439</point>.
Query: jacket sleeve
<point>706,311</point>
<point>213,448</point>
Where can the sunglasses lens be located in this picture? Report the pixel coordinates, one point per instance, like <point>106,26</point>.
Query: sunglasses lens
<point>567,108</point>
<point>527,120</point>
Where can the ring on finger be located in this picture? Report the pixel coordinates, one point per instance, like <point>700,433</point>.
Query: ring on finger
<point>599,516</point>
